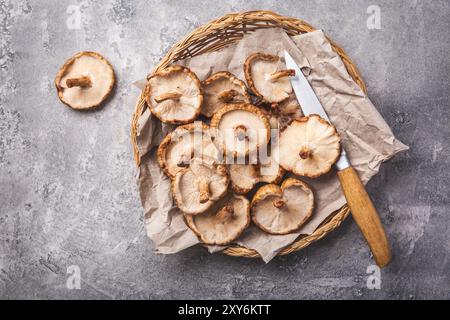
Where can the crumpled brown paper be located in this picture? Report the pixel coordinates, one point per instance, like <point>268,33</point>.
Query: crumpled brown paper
<point>365,136</point>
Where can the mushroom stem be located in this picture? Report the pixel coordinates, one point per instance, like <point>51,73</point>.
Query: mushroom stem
<point>240,132</point>
<point>82,82</point>
<point>227,95</point>
<point>278,203</point>
<point>225,213</point>
<point>281,74</point>
<point>275,107</point>
<point>203,187</point>
<point>171,95</point>
<point>305,152</point>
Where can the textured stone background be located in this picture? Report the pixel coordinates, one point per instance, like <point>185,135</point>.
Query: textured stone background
<point>65,200</point>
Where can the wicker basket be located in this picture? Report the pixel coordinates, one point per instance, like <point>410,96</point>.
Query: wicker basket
<point>219,33</point>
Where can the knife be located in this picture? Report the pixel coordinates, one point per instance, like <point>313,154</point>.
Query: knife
<point>358,200</point>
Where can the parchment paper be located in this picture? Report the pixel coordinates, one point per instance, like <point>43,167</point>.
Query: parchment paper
<point>365,136</point>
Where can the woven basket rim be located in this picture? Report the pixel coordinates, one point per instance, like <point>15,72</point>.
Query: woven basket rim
<point>249,18</point>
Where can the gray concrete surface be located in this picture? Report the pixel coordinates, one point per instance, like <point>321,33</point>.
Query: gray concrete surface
<point>66,200</point>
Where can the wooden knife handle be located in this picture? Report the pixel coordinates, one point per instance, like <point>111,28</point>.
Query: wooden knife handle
<point>365,215</point>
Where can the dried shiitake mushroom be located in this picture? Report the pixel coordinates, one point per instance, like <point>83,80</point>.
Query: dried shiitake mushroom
<point>309,147</point>
<point>245,176</point>
<point>282,114</point>
<point>184,143</point>
<point>197,187</point>
<point>267,78</point>
<point>240,129</point>
<point>223,223</point>
<point>220,89</point>
<point>85,81</point>
<point>174,95</point>
<point>282,210</point>
<point>290,107</point>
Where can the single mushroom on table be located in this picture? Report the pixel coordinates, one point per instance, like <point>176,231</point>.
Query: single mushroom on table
<point>85,81</point>
<point>309,147</point>
<point>220,89</point>
<point>174,95</point>
<point>282,210</point>
<point>267,77</point>
<point>179,147</point>
<point>198,187</point>
<point>240,129</point>
<point>245,176</point>
<point>223,223</point>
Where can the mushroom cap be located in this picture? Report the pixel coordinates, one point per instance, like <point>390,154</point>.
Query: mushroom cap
<point>181,83</point>
<point>215,88</point>
<point>90,65</point>
<point>195,189</point>
<point>282,210</point>
<point>220,225</point>
<point>291,107</point>
<point>258,68</point>
<point>282,114</point>
<point>181,145</point>
<point>309,147</point>
<point>245,176</point>
<point>233,119</point>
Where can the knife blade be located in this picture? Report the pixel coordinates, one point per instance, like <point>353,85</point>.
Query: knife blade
<point>358,200</point>
<point>309,102</point>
